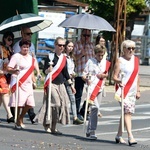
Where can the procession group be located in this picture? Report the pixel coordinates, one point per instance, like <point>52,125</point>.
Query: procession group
<point>67,70</point>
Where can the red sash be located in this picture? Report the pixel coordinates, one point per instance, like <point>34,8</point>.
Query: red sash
<point>24,77</point>
<point>132,77</point>
<point>56,72</point>
<point>99,84</point>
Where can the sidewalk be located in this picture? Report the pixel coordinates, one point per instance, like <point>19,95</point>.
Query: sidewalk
<point>144,73</point>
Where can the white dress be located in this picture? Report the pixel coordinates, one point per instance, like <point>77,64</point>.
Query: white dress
<point>127,67</point>
<point>25,92</point>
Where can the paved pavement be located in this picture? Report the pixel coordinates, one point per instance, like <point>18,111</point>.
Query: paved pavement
<point>144,73</point>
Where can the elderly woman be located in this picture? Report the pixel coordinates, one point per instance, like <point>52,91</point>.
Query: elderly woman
<point>59,99</point>
<point>22,65</point>
<point>127,64</point>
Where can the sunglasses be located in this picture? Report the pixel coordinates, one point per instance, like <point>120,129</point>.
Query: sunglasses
<point>88,35</point>
<point>129,48</point>
<point>9,39</point>
<point>28,33</point>
<point>60,45</point>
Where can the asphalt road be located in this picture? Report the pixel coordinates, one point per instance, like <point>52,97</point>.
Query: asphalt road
<point>73,138</point>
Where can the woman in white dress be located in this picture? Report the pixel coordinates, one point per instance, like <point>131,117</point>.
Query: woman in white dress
<point>127,64</point>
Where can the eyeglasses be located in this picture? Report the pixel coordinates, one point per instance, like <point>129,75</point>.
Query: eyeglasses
<point>9,39</point>
<point>129,48</point>
<point>88,35</point>
<point>60,45</point>
<point>28,33</point>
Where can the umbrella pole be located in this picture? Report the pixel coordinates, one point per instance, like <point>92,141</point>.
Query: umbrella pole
<point>122,104</point>
<point>86,105</point>
<point>49,92</point>
<point>16,102</point>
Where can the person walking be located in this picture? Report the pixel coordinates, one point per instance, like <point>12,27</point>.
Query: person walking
<point>94,74</point>
<point>6,52</point>
<point>26,35</point>
<point>100,40</point>
<point>128,65</point>
<point>83,51</point>
<point>59,97</point>
<point>22,64</point>
<point>70,66</point>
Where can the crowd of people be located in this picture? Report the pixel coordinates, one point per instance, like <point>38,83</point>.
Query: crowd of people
<point>67,71</point>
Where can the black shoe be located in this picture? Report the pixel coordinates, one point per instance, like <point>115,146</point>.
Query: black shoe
<point>56,132</point>
<point>10,120</point>
<point>132,141</point>
<point>32,121</point>
<point>32,118</point>
<point>77,121</point>
<point>80,117</point>
<point>91,135</point>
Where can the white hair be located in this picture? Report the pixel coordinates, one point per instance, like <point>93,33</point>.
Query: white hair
<point>126,44</point>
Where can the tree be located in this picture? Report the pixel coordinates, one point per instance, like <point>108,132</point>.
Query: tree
<point>106,9</point>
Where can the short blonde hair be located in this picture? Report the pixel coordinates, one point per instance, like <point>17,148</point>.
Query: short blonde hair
<point>126,44</point>
<point>99,49</point>
<point>59,38</point>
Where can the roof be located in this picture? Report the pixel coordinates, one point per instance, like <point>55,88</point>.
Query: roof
<point>70,2</point>
<point>61,5</point>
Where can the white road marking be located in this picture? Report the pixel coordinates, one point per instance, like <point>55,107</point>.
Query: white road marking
<point>134,130</point>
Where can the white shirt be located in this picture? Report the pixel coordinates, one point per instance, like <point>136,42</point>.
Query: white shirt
<point>70,65</point>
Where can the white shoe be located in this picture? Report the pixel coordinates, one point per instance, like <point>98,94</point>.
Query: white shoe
<point>47,129</point>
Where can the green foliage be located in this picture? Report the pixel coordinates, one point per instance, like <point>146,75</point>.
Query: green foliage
<point>106,8</point>
<point>135,6</point>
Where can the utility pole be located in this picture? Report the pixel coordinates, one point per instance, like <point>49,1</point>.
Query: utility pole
<point>120,35</point>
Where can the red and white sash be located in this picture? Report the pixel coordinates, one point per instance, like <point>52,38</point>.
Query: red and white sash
<point>56,70</point>
<point>129,82</point>
<point>99,83</point>
<point>23,75</point>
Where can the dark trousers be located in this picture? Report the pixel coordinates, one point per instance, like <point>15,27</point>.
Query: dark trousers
<point>79,85</point>
<point>30,113</point>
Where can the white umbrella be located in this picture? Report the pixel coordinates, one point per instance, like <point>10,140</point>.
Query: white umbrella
<point>87,21</point>
<point>15,23</point>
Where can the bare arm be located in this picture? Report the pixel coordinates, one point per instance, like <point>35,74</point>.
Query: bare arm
<point>138,94</point>
<point>116,72</point>
<point>37,68</point>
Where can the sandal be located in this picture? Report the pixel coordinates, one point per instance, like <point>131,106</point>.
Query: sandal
<point>120,140</point>
<point>132,141</point>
